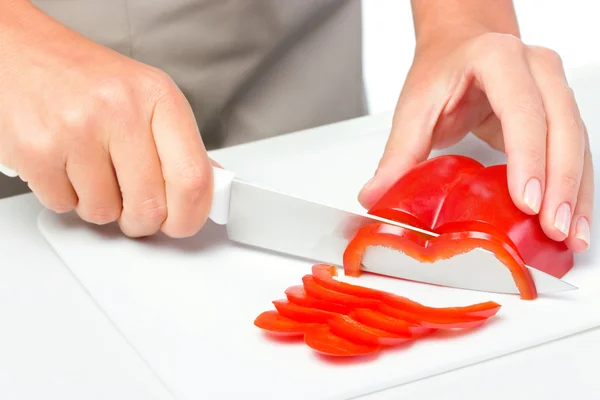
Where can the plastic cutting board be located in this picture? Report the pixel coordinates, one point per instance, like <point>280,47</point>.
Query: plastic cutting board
<point>187,306</point>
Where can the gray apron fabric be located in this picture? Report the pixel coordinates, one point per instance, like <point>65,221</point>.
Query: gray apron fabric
<point>251,69</point>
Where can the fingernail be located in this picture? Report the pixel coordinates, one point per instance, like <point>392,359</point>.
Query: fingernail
<point>533,195</point>
<point>583,230</point>
<point>562,221</point>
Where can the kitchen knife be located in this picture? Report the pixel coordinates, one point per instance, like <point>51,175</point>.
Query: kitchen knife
<point>276,221</point>
<point>269,219</point>
<point>7,171</point>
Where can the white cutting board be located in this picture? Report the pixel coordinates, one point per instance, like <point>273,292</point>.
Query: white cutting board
<point>187,306</point>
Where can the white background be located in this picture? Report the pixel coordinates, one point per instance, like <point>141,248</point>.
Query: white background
<point>570,27</point>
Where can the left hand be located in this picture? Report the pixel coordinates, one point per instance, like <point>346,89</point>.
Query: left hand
<point>517,99</point>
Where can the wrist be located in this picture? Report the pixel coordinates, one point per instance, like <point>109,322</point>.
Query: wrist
<point>443,21</point>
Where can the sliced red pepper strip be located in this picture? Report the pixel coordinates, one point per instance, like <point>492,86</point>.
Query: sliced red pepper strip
<point>431,321</point>
<point>313,289</point>
<point>384,322</point>
<point>349,329</point>
<point>444,246</point>
<point>324,341</point>
<point>324,275</point>
<point>297,295</point>
<point>301,313</point>
<point>487,309</point>
<point>343,325</point>
<point>275,323</point>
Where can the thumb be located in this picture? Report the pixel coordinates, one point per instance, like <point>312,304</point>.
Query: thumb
<point>409,142</point>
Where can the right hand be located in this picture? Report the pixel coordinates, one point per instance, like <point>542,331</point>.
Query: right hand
<point>94,131</point>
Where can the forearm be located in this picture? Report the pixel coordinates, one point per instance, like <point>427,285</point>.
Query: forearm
<point>437,18</point>
<point>14,13</point>
<point>21,20</point>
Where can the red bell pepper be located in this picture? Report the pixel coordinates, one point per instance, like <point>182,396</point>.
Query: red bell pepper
<point>385,322</point>
<point>431,250</point>
<point>350,329</point>
<point>275,323</point>
<point>313,289</point>
<point>324,275</point>
<point>297,295</point>
<point>340,319</point>
<point>321,339</point>
<point>469,206</point>
<point>430,320</point>
<point>301,313</point>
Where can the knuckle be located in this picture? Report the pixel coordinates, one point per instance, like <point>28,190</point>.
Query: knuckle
<point>570,183</point>
<point>532,107</point>
<point>547,55</point>
<point>536,157</point>
<point>153,210</point>
<point>500,45</point>
<point>38,149</point>
<point>75,120</point>
<point>533,157</point>
<point>193,180</point>
<point>114,94</point>
<point>159,84</point>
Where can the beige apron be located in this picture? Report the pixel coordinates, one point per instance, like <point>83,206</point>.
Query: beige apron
<point>250,69</point>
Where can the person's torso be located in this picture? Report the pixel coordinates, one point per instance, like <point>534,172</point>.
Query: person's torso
<point>250,69</point>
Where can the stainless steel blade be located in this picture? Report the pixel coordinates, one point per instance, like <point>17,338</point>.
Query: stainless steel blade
<point>284,223</point>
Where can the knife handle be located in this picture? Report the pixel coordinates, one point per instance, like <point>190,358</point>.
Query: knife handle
<point>219,209</point>
<point>8,172</point>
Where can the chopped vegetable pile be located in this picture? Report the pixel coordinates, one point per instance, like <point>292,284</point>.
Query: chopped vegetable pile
<point>341,319</point>
<point>468,206</point>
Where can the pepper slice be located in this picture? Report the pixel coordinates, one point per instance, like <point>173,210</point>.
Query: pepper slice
<point>322,340</point>
<point>275,323</point>
<point>297,295</point>
<point>386,323</point>
<point>430,250</point>
<point>324,275</point>
<point>301,313</point>
<point>313,289</point>
<point>432,321</point>
<point>352,330</point>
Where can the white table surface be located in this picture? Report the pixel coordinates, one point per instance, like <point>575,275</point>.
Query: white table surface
<point>55,343</point>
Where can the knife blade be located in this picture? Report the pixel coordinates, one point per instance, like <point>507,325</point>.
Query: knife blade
<point>272,220</point>
<point>8,172</point>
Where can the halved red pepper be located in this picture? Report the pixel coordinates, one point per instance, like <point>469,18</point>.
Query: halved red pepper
<point>321,339</point>
<point>324,275</point>
<point>275,323</point>
<point>461,197</point>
